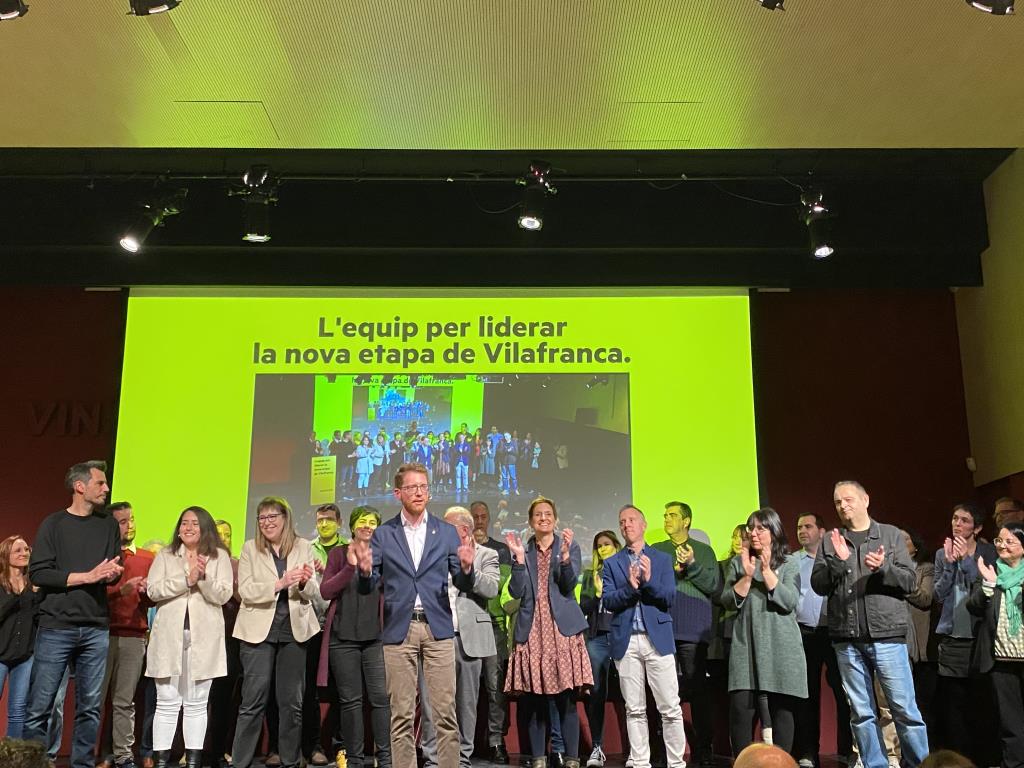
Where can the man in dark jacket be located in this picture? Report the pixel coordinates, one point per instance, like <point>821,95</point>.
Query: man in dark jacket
<point>865,571</point>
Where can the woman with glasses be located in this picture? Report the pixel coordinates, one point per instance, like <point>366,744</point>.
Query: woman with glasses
<point>999,648</point>
<point>352,644</point>
<point>279,591</point>
<point>549,662</point>
<point>763,585</point>
<point>190,580</point>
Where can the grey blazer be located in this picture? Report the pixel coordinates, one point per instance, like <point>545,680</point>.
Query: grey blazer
<point>471,608</point>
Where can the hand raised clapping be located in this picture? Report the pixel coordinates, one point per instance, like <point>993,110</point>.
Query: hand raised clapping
<point>874,560</point>
<point>988,572</point>
<point>842,549</point>
<point>515,546</point>
<point>566,544</point>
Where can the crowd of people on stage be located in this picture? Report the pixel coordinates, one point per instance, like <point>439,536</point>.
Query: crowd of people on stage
<point>471,460</point>
<point>921,648</point>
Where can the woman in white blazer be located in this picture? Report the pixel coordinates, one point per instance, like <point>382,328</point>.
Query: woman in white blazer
<point>280,594</point>
<point>189,581</point>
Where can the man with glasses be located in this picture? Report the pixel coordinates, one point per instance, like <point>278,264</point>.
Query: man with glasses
<point>864,570</point>
<point>411,556</point>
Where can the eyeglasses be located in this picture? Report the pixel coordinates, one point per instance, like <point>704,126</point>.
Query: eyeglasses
<point>752,528</point>
<point>264,519</point>
<point>421,488</point>
<point>1006,542</point>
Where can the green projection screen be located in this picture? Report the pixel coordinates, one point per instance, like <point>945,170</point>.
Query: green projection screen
<point>610,397</point>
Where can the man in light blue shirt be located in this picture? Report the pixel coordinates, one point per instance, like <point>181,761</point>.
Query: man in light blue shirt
<point>818,650</point>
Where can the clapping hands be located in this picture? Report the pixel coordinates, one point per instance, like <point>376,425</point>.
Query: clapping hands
<point>515,546</point>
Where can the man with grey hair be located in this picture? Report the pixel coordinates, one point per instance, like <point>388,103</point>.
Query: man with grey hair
<point>474,641</point>
<point>76,555</point>
<point>864,570</point>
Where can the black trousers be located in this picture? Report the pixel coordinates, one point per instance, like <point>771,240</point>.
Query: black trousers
<point>223,704</point>
<point>353,665</point>
<point>692,667</point>
<point>1008,682</point>
<point>283,665</point>
<point>819,654</point>
<point>743,708</point>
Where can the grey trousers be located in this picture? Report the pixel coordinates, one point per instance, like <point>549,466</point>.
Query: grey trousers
<point>125,658</point>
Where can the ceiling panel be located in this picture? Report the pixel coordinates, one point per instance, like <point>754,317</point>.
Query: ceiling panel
<point>507,75</point>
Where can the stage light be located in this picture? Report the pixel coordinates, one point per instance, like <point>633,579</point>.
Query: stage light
<point>12,9</point>
<point>545,382</point>
<point>414,379</point>
<point>816,217</point>
<point>538,187</point>
<point>597,381</point>
<point>149,7</point>
<point>258,192</point>
<point>771,5</point>
<point>997,8</point>
<point>821,242</point>
<point>152,215</point>
<point>386,379</point>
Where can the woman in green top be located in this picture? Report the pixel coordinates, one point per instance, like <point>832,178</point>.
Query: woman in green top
<point>763,585</point>
<point>997,598</point>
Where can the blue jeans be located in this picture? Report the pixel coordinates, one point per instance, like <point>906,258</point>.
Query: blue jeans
<point>17,694</point>
<point>462,477</point>
<point>55,736</point>
<point>55,649</point>
<point>858,663</point>
<point>600,650</point>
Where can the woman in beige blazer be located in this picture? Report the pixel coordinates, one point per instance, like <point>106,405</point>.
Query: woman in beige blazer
<point>189,581</point>
<point>280,593</point>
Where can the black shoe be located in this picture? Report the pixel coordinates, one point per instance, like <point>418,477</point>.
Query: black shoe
<point>193,758</point>
<point>160,759</point>
<point>499,755</point>
<point>707,759</point>
<point>556,760</point>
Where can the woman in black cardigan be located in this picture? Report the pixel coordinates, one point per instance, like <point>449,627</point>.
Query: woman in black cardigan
<point>999,649</point>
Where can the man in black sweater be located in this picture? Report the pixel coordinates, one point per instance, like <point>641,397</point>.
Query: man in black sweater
<point>76,555</point>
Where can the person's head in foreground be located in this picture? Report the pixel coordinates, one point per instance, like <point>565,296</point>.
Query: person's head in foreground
<point>764,756</point>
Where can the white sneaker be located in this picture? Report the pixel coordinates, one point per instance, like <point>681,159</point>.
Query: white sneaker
<point>766,736</point>
<point>596,759</point>
<point>629,762</point>
<point>805,762</point>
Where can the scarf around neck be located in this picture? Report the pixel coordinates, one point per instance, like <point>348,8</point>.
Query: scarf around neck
<point>1009,580</point>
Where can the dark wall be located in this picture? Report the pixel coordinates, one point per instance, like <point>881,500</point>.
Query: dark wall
<point>862,386</point>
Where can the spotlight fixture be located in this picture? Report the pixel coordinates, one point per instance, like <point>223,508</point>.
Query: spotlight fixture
<point>361,379</point>
<point>997,8</point>
<point>538,186</point>
<point>149,7</point>
<point>597,381</point>
<point>414,379</point>
<point>815,216</point>
<point>771,5</point>
<point>545,382</point>
<point>152,215</point>
<point>259,192</point>
<point>12,9</point>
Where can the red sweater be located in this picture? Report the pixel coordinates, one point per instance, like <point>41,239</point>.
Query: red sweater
<point>128,612</point>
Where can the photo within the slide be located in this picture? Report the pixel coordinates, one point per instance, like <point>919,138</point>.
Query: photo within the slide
<point>500,438</point>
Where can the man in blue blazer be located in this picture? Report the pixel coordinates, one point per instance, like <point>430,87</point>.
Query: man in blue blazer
<point>411,556</point>
<point>639,587</point>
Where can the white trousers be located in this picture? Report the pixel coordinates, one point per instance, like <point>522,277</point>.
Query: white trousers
<point>172,695</point>
<point>641,663</point>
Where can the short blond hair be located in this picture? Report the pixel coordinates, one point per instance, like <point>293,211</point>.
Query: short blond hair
<point>459,516</point>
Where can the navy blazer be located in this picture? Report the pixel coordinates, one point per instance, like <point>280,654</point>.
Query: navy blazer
<point>561,590</point>
<point>400,581</point>
<point>655,597</point>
